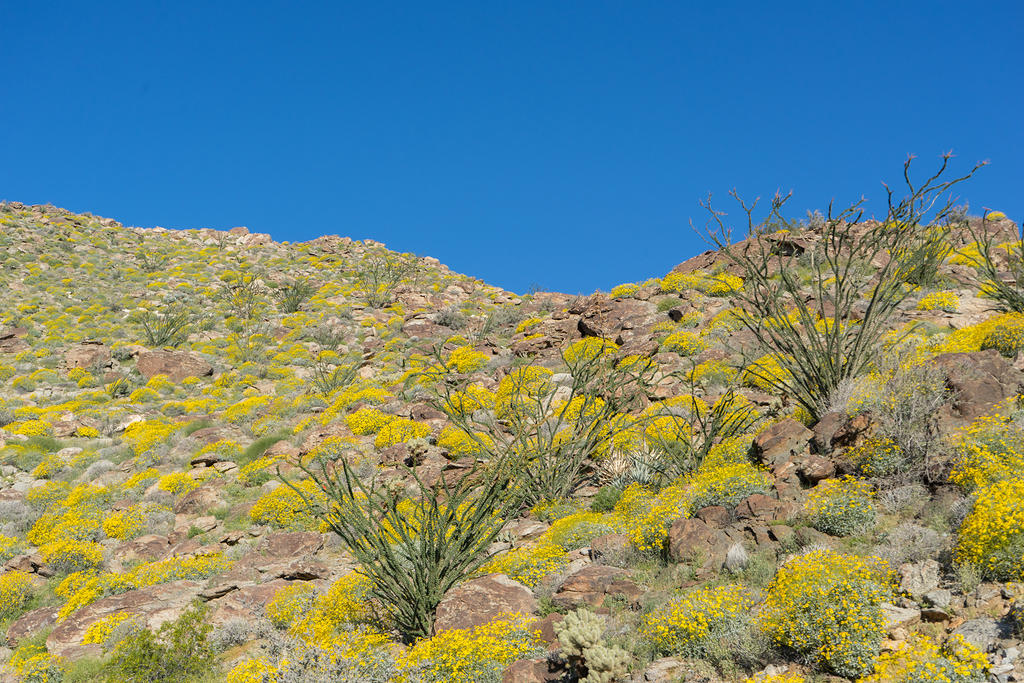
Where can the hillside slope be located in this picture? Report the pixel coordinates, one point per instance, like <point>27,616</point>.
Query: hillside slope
<point>157,385</point>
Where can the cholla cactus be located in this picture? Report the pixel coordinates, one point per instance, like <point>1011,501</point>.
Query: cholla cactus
<point>606,664</point>
<point>579,634</point>
<point>579,631</point>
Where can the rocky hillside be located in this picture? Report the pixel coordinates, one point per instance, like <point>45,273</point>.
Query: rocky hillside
<point>228,458</point>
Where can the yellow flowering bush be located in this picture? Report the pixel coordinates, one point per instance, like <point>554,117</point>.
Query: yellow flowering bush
<point>146,435</point>
<point>683,342</point>
<point>9,547</point>
<point>100,630</point>
<point>764,373</point>
<point>624,290</point>
<point>32,663</point>
<point>1005,334</point>
<point>919,660</point>
<point>992,535</point>
<point>695,623</point>
<point>15,591</point>
<point>290,603</point>
<point>468,401</point>
<point>400,430</point>
<point>83,588</point>
<point>943,301</point>
<point>284,508</point>
<point>588,349</point>
<point>520,388</point>
<point>178,483</point>
<point>578,529</point>
<point>841,506</point>
<point>990,449</point>
<point>470,655</point>
<point>828,606</point>
<point>725,485</point>
<point>466,359</point>
<point>30,428</point>
<point>458,443</point>
<point>721,284</point>
<point>368,421</point>
<point>71,555</point>
<point>877,456</point>
<point>87,432</point>
<point>777,678</point>
<point>528,565</point>
<point>646,516</point>
<point>125,524</point>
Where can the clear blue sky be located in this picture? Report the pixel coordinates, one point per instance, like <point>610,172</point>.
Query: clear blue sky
<point>559,144</point>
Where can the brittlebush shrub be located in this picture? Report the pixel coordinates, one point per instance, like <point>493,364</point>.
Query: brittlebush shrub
<point>470,655</point>
<point>15,592</point>
<point>841,507</point>
<point>920,660</point>
<point>990,450</point>
<point>992,534</point>
<point>695,624</point>
<point>827,606</point>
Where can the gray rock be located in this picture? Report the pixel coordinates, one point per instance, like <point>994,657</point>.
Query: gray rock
<point>919,578</point>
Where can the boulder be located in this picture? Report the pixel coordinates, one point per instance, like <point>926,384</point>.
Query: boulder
<point>86,355</point>
<point>177,365</point>
<point>695,542</point>
<point>479,600</point>
<point>978,381</point>
<point>919,579</point>
<point>592,584</point>
<point>31,623</point>
<point>780,442</point>
<point>292,543</point>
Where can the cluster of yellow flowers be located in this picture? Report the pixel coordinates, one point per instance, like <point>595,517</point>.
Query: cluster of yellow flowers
<point>765,373</point>
<point>989,450</point>
<point>691,624</point>
<point>624,290</point>
<point>367,421</point>
<point>841,506</point>
<point>827,606</point>
<point>943,301</point>
<point>470,655</point>
<point>878,456</point>
<point>992,534</point>
<point>725,484</point>
<point>400,430</point>
<point>284,508</point>
<point>588,349</point>
<point>466,359</point>
<point>458,443</point>
<point>721,284</point>
<point>920,660</point>
<point>15,591</point>
<point>125,524</point>
<point>777,678</point>
<point>86,587</point>
<point>684,342</point>
<point>100,630</point>
<point>528,565</point>
<point>519,390</point>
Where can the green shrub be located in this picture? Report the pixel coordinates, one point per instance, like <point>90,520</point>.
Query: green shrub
<point>179,651</point>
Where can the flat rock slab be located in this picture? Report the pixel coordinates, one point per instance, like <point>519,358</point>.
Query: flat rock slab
<point>177,365</point>
<point>477,601</point>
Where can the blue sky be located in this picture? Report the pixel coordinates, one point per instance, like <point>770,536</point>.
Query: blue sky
<point>554,144</point>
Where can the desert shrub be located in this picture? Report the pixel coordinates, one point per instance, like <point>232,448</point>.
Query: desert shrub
<point>233,632</point>
<point>452,318</point>
<point>992,535</point>
<point>529,566</point>
<point>720,284</point>
<point>378,276</point>
<point>684,343</point>
<point>178,650</point>
<point>828,606</point>
<point>1005,334</point>
<point>699,622</point>
<point>470,655</point>
<point>69,555</point>
<point>822,340</point>
<point>400,430</point>
<point>624,290</point>
<point>910,543</point>
<point>841,506</point>
<point>287,507</point>
<point>170,325</point>
<point>942,301</point>
<point>920,660</point>
<point>15,591</point>
<point>605,499</point>
<point>878,456</point>
<point>33,664</point>
<point>291,295</point>
<point>577,530</point>
<point>725,485</point>
<point>989,450</point>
